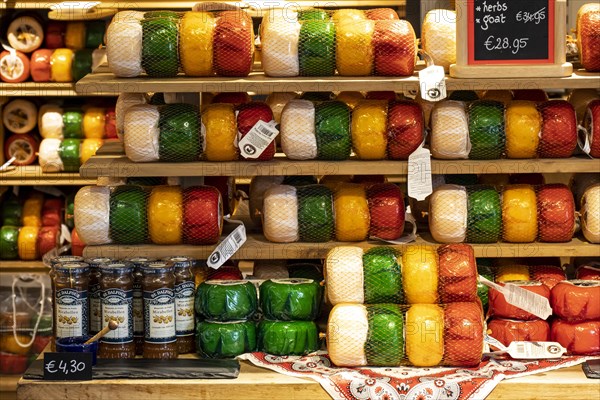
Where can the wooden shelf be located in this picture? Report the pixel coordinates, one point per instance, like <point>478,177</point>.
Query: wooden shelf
<point>16,266</point>
<point>42,89</point>
<point>8,383</point>
<point>33,175</point>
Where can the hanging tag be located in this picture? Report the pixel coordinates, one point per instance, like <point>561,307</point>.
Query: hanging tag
<point>65,234</point>
<point>583,140</point>
<point>494,342</point>
<point>524,299</point>
<point>229,246</point>
<point>535,350</point>
<point>419,174</point>
<point>432,83</point>
<point>258,139</point>
<point>411,237</point>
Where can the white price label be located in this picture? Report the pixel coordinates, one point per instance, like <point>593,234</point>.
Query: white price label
<point>419,174</point>
<point>228,247</point>
<point>260,136</point>
<point>535,350</point>
<point>432,83</point>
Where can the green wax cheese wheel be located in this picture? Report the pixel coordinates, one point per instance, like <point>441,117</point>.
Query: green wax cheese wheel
<point>216,339</point>
<point>316,48</point>
<point>299,180</point>
<point>385,343</point>
<point>315,213</point>
<point>70,211</point>
<point>179,139</point>
<point>223,300</point>
<point>382,276</point>
<point>11,212</point>
<point>305,271</point>
<point>72,124</point>
<point>9,239</point>
<point>484,215</point>
<point>128,219</point>
<point>161,14</point>
<point>332,130</point>
<point>159,47</point>
<point>486,129</point>
<point>290,299</point>
<point>284,338</point>
<point>69,154</point>
<point>82,64</point>
<point>313,15</point>
<point>94,33</point>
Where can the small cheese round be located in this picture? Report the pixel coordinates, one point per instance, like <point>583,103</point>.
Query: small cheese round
<point>347,332</point>
<point>142,133</point>
<point>92,212</point>
<point>280,214</point>
<point>49,157</point>
<point>298,138</point>
<point>344,275</point>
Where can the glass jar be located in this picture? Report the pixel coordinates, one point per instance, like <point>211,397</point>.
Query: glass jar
<point>138,302</point>
<point>94,292</point>
<point>158,284</point>
<point>116,283</point>
<point>70,281</point>
<point>184,303</point>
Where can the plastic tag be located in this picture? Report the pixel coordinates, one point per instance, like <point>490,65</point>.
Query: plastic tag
<point>432,83</point>
<point>419,174</point>
<point>535,350</point>
<point>258,139</point>
<point>411,237</point>
<point>228,247</point>
<point>65,234</point>
<point>583,140</point>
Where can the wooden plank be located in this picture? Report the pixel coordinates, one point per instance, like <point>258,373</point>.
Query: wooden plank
<point>42,89</point>
<point>8,383</point>
<point>33,175</point>
<point>16,266</point>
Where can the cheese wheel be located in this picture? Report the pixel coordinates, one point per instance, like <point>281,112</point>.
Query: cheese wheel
<point>19,116</point>
<point>277,101</point>
<point>501,308</point>
<point>47,239</point>
<point>288,337</point>
<point>222,300</point>
<point>40,68</point>
<point>279,44</point>
<point>344,275</point>
<point>577,337</point>
<point>280,214</point>
<point>77,244</point>
<point>523,126</point>
<point>448,214</point>
<point>14,68</point>
<point>128,215</point>
<point>591,122</point>
<point>110,124</point>
<point>559,129</point>
<point>270,269</point>
<point>248,115</point>
<point>258,187</point>
<point>69,152</point>
<point>225,339</point>
<point>503,96</point>
<point>32,210</point>
<point>317,48</point>
<point>50,121</point>
<point>52,211</point>
<point>82,63</point>
<point>290,299</point>
<point>438,37</point>
<point>94,33</point>
<point>386,209</point>
<point>354,52</point>
<point>315,213</point>
<point>233,44</point>
<point>62,60</point>
<point>556,213</point>
<point>124,101</point>
<point>590,214</point>
<point>588,25</point>
<point>588,272</point>
<point>519,214</point>
<point>382,14</point>
<point>9,242</point>
<point>580,98</point>
<point>369,120</point>
<point>457,273</point>
<point>511,272</point>
<point>420,273</point>
<point>352,220</point>
<point>463,334</point>
<point>89,147</point>
<point>332,130</point>
<point>73,124</point>
<point>297,130</point>
<point>179,127</point>
<point>93,123</point>
<point>25,34</point>
<point>75,35</point>
<point>28,243</point>
<point>484,215</point>
<point>549,275</point>
<point>142,133</point>
<point>124,44</point>
<point>486,129</point>
<point>424,335</point>
<point>220,132</point>
<point>48,156</point>
<point>394,48</point>
<point>202,215</point>
<point>576,300</point>
<point>350,98</point>
<point>382,276</point>
<point>450,131</point>
<point>23,146</point>
<point>165,215</point>
<point>385,343</point>
<point>196,43</point>
<point>405,129</point>
<point>11,211</point>
<point>347,333</point>
<point>159,46</point>
<point>55,31</point>
<point>508,330</point>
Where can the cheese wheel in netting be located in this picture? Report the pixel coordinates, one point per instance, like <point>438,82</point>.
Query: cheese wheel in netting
<point>9,245</point>
<point>40,68</point>
<point>220,137</point>
<point>270,269</point>
<point>576,300</point>
<point>279,44</point>
<point>590,271</point>
<point>196,43</point>
<point>556,213</point>
<point>385,340</point>
<point>69,152</point>
<point>290,299</point>
<point>48,156</point>
<point>382,276</point>
<point>549,275</point>
<point>577,337</point>
<point>317,48</point>
<point>24,147</point>
<point>93,123</point>
<point>165,215</point>
<point>160,53</point>
<point>588,25</point>
<point>450,131</point>
<point>350,98</point>
<point>420,272</point>
<point>202,215</point>
<point>519,214</point>
<point>222,300</point>
<point>248,115</point>
<point>124,44</point>
<point>315,213</point>
<point>179,139</point>
<point>484,215</point>
<point>75,35</point>
<point>580,98</point>
<point>32,210</point>
<point>225,339</point>
<point>110,124</point>
<point>47,239</point>
<point>511,272</point>
<point>82,63</point>
<point>523,126</point>
<point>590,214</point>
<point>14,68</point>
<point>508,330</point>
<point>332,130</point>
<point>233,44</point>
<point>55,32</point>
<point>258,187</point>
<point>377,14</point>
<point>344,275</point>
<point>559,129</point>
<point>457,273</point>
<point>11,211</point>
<point>369,129</point>
<point>128,215</point>
<point>394,48</point>
<point>386,208</point>
<point>92,211</point>
<point>297,131</point>
<point>591,122</point>
<point>424,335</point>
<point>28,243</point>
<point>354,44</point>
<point>347,333</point>
<point>94,33</point>
<point>486,129</point>
<point>73,124</point>
<point>124,101</point>
<point>352,220</point>
<point>280,214</point>
<point>448,214</point>
<point>501,308</point>
<point>62,60</point>
<point>277,101</point>
<point>288,337</point>
<point>438,37</point>
<point>89,147</point>
<point>50,121</point>
<point>405,129</point>
<point>141,133</point>
<point>52,211</point>
<point>19,116</point>
<point>463,334</point>
<point>503,96</point>
<point>25,34</point>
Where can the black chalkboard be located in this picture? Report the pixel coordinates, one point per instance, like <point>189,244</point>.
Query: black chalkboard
<point>68,366</point>
<point>511,30</point>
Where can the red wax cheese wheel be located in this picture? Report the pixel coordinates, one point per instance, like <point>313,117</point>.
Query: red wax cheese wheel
<point>14,69</point>
<point>382,14</point>
<point>556,213</point>
<point>577,337</point>
<point>463,334</point>
<point>76,244</point>
<point>537,95</point>
<point>226,186</point>
<point>589,272</point>
<point>233,44</point>
<point>55,34</point>
<point>404,128</point>
<point>40,67</point>
<point>248,115</point>
<point>47,239</point>
<point>232,98</point>
<point>394,48</point>
<point>110,124</point>
<point>226,272</point>
<point>507,330</point>
<point>549,275</point>
<point>386,208</point>
<point>23,146</point>
<point>499,307</point>
<point>576,300</point>
<point>559,129</point>
<point>457,273</point>
<point>588,26</point>
<point>592,125</point>
<point>52,212</point>
<point>202,215</point>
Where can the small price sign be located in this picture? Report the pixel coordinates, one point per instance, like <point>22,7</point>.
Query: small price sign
<point>68,366</point>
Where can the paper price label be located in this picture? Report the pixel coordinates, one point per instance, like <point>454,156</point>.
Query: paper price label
<point>419,174</point>
<point>432,83</point>
<point>258,139</point>
<point>228,247</point>
<point>535,350</point>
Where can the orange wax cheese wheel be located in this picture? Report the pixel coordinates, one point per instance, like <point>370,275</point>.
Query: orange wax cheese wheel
<point>438,37</point>
<point>32,210</point>
<point>165,215</point>
<point>352,217</point>
<point>89,147</point>
<point>347,332</point>
<point>519,214</point>
<point>27,243</point>
<point>369,129</point>
<point>221,132</point>
<point>424,335</point>
<point>523,126</point>
<point>196,43</point>
<point>61,61</point>
<point>420,272</point>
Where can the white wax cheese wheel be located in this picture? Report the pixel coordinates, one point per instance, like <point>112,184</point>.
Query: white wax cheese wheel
<point>50,121</point>
<point>297,131</point>
<point>270,269</point>
<point>92,214</point>
<point>19,116</point>
<point>448,214</point>
<point>124,101</point>
<point>344,275</point>
<point>49,157</point>
<point>277,101</point>
<point>142,133</point>
<point>258,187</point>
<point>279,44</point>
<point>280,214</point>
<point>590,214</point>
<point>347,330</point>
<point>124,48</point>
<point>25,34</point>
<point>438,37</point>
<point>450,131</point>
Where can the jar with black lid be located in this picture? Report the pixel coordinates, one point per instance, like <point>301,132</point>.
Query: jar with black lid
<point>184,303</point>
<point>94,292</point>
<point>138,301</point>
<point>70,281</point>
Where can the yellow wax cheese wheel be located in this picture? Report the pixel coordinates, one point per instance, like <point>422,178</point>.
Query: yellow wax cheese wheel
<point>196,43</point>
<point>27,243</point>
<point>448,214</point>
<point>280,214</point>
<point>279,43</point>
<point>512,273</point>
<point>61,61</point>
<point>277,101</point>
<point>450,131</point>
<point>124,44</point>
<point>50,121</point>
<point>297,130</point>
<point>438,37</point>
<point>344,275</point>
<point>425,335</point>
<point>420,275</point>
<point>48,155</point>
<point>348,15</point>
<point>523,128</point>
<point>519,214</point>
<point>124,101</point>
<point>350,98</point>
<point>92,214</point>
<point>89,147</point>
<point>75,35</point>
<point>347,331</point>
<point>353,47</point>
<point>369,123</point>
<point>352,217</point>
<point>221,132</point>
<point>32,210</point>
<point>590,214</point>
<point>93,123</point>
<point>142,133</point>
<point>165,215</point>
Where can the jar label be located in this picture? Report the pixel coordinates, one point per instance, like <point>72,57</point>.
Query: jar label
<point>117,305</point>
<point>184,307</point>
<point>95,309</point>
<point>159,316</point>
<point>138,310</point>
<point>71,312</point>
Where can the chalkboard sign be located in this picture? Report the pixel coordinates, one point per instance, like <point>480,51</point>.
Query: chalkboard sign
<point>511,31</point>
<point>68,366</point>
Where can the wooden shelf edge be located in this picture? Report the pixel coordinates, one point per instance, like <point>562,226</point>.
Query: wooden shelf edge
<point>8,383</point>
<point>33,175</point>
<point>28,89</point>
<point>17,266</point>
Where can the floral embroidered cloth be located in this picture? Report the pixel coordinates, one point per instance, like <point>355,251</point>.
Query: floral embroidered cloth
<point>406,383</point>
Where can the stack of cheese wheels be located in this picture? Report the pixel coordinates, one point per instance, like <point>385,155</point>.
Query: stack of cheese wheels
<point>523,127</point>
<point>588,24</point>
<point>394,48</point>
<point>448,214</point>
<point>590,213</point>
<point>486,129</point>
<point>556,213</point>
<point>196,43</point>
<point>450,130</point>
<point>558,138</point>
<point>519,214</point>
<point>591,122</point>
<point>438,37</point>
<point>316,43</point>
<point>298,136</point>
<point>386,210</point>
<point>160,52</point>
<point>280,33</point>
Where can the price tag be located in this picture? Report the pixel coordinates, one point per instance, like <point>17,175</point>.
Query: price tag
<point>419,174</point>
<point>535,350</point>
<point>583,140</point>
<point>258,139</point>
<point>432,83</point>
<point>229,246</point>
<point>68,366</point>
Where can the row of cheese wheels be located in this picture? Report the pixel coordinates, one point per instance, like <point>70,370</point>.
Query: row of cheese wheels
<point>56,155</point>
<point>35,210</point>
<point>27,242</point>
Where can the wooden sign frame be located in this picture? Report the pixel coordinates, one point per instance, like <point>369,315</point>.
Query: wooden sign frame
<point>554,66</point>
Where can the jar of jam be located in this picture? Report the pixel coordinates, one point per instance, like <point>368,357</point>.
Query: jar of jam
<point>116,283</point>
<point>94,292</point>
<point>71,299</point>
<point>138,303</point>
<point>158,284</point>
<point>185,323</point>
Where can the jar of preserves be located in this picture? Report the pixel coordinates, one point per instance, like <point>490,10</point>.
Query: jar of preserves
<point>116,283</point>
<point>138,302</point>
<point>158,284</point>
<point>71,299</point>
<point>184,303</point>
<point>94,292</point>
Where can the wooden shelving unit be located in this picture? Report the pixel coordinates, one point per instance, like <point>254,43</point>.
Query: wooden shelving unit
<point>41,89</point>
<point>33,175</point>
<point>16,266</point>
